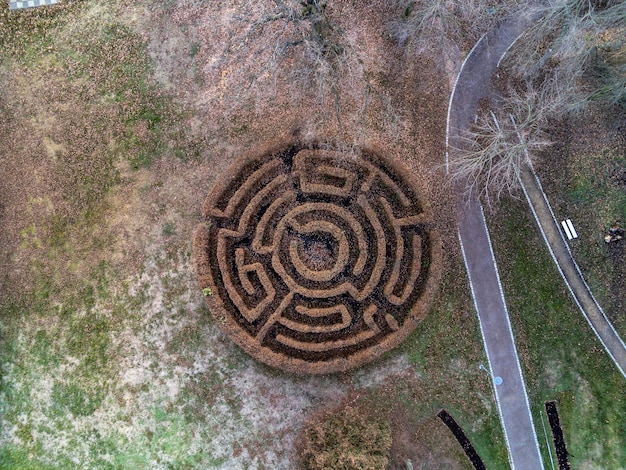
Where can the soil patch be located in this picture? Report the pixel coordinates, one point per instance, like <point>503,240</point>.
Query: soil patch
<point>557,435</point>
<point>468,448</point>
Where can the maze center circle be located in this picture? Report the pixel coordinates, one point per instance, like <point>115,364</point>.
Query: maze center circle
<point>321,253</point>
<point>317,261</point>
<point>318,249</point>
<point>317,253</point>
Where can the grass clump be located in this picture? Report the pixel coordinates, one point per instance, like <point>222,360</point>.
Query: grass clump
<point>346,440</point>
<point>26,33</point>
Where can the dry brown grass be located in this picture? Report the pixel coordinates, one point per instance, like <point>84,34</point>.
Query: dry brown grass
<point>339,433</point>
<point>346,439</point>
<point>79,118</point>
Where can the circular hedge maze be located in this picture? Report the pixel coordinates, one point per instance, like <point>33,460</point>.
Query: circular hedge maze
<point>317,261</point>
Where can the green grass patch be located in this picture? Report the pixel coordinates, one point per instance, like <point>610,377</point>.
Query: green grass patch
<point>596,200</point>
<point>560,355</point>
<point>76,399</point>
<point>15,457</point>
<point>27,34</point>
<point>88,338</point>
<point>585,179</point>
<point>447,349</point>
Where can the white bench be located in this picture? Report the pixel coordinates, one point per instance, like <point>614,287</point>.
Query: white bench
<point>569,229</point>
<point>17,5</point>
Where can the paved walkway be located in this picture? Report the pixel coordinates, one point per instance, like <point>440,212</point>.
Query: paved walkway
<point>513,407</point>
<point>473,83</point>
<point>568,268</point>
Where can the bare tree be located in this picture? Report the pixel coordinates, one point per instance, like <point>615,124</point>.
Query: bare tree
<point>574,54</point>
<point>257,54</point>
<point>433,25</point>
<point>496,147</point>
<point>578,48</point>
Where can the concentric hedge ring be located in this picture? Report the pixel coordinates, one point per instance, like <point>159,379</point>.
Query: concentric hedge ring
<point>316,261</point>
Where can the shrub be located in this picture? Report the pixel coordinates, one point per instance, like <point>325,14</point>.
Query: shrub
<point>345,440</point>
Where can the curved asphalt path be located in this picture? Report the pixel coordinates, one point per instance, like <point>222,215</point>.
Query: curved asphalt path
<point>562,256</point>
<point>472,84</point>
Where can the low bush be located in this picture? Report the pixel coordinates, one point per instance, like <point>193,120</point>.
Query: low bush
<point>346,439</point>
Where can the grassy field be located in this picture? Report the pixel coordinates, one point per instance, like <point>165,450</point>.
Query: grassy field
<point>108,355</point>
<point>590,190</point>
<point>561,358</point>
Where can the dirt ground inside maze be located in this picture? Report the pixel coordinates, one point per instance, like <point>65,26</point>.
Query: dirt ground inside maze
<point>115,121</point>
